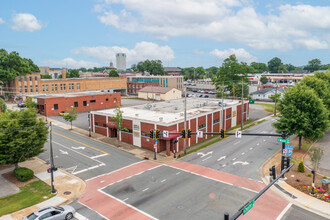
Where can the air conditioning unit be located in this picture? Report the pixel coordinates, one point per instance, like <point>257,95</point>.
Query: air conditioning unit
<point>160,118</point>
<point>136,115</point>
<point>175,108</point>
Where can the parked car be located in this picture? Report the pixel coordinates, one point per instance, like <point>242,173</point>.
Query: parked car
<point>21,105</point>
<point>224,104</point>
<point>195,90</point>
<point>193,84</point>
<point>206,96</point>
<point>64,212</point>
<point>63,113</point>
<point>202,91</point>
<point>206,91</point>
<point>201,96</point>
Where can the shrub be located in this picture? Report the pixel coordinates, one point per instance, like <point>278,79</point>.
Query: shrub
<point>301,167</point>
<point>309,175</point>
<point>324,177</point>
<point>23,174</point>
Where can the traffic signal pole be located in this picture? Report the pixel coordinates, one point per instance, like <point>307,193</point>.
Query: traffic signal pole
<point>51,157</point>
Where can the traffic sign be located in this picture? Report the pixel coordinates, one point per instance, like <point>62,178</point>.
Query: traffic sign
<point>155,141</point>
<point>165,134</point>
<point>288,147</point>
<point>281,140</point>
<point>199,134</point>
<point>248,207</point>
<point>251,101</point>
<point>155,146</point>
<point>238,134</point>
<point>284,152</point>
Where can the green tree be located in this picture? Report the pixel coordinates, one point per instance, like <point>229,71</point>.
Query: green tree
<point>71,116</point>
<point>3,106</point>
<point>22,136</point>
<point>278,96</point>
<point>274,65</point>
<point>323,76</point>
<point>315,155</point>
<point>12,65</point>
<point>282,69</point>
<point>34,68</point>
<point>302,113</point>
<point>263,80</point>
<point>231,74</point>
<point>46,76</point>
<point>313,65</point>
<point>212,71</point>
<point>259,67</point>
<point>72,73</point>
<point>118,121</point>
<point>113,73</point>
<point>30,103</point>
<point>289,67</point>
<point>154,67</point>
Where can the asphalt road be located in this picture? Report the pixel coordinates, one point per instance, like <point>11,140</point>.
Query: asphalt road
<point>239,156</point>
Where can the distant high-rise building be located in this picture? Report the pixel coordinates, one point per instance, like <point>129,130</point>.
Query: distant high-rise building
<point>121,61</point>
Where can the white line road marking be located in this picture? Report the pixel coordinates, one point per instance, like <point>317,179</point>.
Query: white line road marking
<point>264,139</point>
<point>257,144</point>
<point>221,158</point>
<point>102,181</point>
<point>203,155</point>
<point>145,189</point>
<point>80,217</point>
<point>125,199</point>
<point>251,148</point>
<point>77,148</point>
<point>207,158</point>
<point>163,180</point>
<point>80,171</point>
<point>97,156</point>
<point>243,163</point>
<point>224,165</point>
<point>178,173</point>
<point>243,153</point>
<point>284,211</point>
<point>72,169</point>
<point>63,152</point>
<point>234,158</point>
<point>237,142</point>
<point>90,168</point>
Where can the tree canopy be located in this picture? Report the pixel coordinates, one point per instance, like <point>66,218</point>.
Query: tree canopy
<point>3,106</point>
<point>231,74</point>
<point>154,67</point>
<point>302,113</point>
<point>22,136</point>
<point>72,73</point>
<point>113,73</point>
<point>263,80</point>
<point>259,67</point>
<point>12,65</point>
<point>71,116</point>
<point>313,65</point>
<point>274,65</point>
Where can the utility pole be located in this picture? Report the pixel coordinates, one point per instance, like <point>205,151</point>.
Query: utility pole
<point>89,123</point>
<point>51,159</point>
<point>275,99</point>
<point>185,118</point>
<point>222,120</point>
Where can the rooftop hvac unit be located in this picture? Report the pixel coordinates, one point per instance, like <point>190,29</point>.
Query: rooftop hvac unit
<point>136,115</point>
<point>160,118</point>
<point>175,108</point>
<point>181,114</point>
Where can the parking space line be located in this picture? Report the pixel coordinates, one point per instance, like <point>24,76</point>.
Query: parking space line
<point>101,155</point>
<point>81,143</point>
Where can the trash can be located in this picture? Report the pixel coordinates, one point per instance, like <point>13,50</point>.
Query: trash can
<point>325,184</point>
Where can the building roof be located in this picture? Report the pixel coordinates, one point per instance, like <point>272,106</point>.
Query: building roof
<point>170,112</point>
<point>266,90</point>
<point>172,69</point>
<point>156,89</point>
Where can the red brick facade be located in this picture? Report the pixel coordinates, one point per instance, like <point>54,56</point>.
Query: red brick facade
<point>134,87</point>
<point>54,105</point>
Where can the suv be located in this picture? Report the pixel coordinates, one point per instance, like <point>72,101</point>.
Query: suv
<point>64,212</point>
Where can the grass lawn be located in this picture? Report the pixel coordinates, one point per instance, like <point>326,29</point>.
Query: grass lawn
<point>267,107</point>
<point>30,194</point>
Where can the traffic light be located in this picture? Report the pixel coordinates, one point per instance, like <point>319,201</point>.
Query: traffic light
<point>286,162</point>
<point>152,133</point>
<point>189,133</point>
<point>272,172</point>
<point>157,133</point>
<point>222,133</point>
<point>49,170</point>
<point>183,133</point>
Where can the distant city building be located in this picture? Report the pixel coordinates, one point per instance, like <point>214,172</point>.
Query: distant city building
<point>173,71</point>
<point>121,61</point>
<point>264,94</point>
<point>159,93</point>
<point>54,72</point>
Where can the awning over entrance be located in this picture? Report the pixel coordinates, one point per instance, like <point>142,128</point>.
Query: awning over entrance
<point>112,126</point>
<point>172,136</point>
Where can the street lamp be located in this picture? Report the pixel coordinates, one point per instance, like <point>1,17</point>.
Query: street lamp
<point>174,142</point>
<point>45,112</point>
<point>313,172</point>
<point>89,123</point>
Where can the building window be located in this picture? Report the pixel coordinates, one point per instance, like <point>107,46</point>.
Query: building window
<point>133,86</point>
<point>115,100</point>
<point>104,125</point>
<point>244,111</point>
<point>47,88</point>
<point>106,100</point>
<point>92,101</point>
<point>64,87</point>
<point>61,85</point>
<point>55,106</point>
<point>55,87</point>
<point>129,86</point>
<point>19,78</point>
<point>216,121</point>
<point>72,86</point>
<point>145,134</point>
<point>30,78</point>
<point>84,103</point>
<point>78,86</point>
<point>129,131</point>
<point>52,87</point>
<point>31,89</point>
<point>25,78</point>
<point>35,78</point>
<point>228,117</point>
<point>76,104</point>
<point>37,90</point>
<point>201,126</point>
<point>25,88</point>
<point>96,123</point>
<point>20,88</point>
<point>43,88</point>
<point>69,86</point>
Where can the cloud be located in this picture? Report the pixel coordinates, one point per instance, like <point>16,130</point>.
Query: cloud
<point>241,54</point>
<point>141,51</point>
<point>25,22</point>
<point>282,28</point>
<point>70,63</point>
<point>2,21</point>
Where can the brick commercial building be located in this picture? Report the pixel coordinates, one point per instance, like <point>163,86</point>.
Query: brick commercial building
<point>54,104</point>
<point>32,84</point>
<point>202,115</point>
<point>159,93</point>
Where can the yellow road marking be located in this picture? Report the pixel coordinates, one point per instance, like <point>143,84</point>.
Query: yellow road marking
<point>80,143</point>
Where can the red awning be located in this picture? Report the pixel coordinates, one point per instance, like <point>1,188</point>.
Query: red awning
<point>172,136</point>
<point>112,126</point>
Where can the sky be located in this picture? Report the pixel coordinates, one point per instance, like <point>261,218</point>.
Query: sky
<point>180,33</point>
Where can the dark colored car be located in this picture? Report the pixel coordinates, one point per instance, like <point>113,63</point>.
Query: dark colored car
<point>21,105</point>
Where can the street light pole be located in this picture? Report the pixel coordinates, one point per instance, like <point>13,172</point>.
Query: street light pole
<point>51,159</point>
<point>275,99</point>
<point>89,123</point>
<point>45,111</point>
<point>313,172</point>
<point>185,118</point>
<point>242,107</point>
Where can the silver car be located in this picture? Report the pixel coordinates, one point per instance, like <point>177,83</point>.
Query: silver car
<point>63,212</point>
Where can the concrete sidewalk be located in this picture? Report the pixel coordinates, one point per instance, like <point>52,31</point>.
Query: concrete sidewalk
<point>68,187</point>
<point>290,193</point>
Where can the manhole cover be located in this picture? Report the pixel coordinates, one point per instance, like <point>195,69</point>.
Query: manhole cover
<point>67,193</point>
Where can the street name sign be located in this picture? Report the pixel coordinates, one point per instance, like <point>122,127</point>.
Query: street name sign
<point>281,140</point>
<point>165,134</point>
<point>248,207</point>
<point>199,134</point>
<point>238,134</point>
